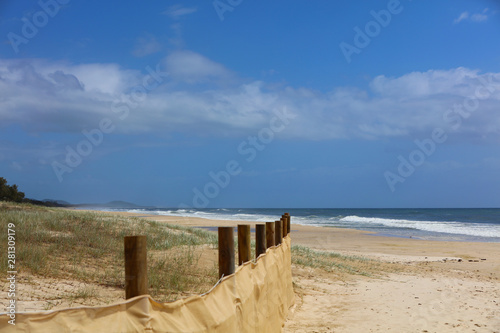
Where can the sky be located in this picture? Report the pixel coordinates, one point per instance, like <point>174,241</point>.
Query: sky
<point>235,103</point>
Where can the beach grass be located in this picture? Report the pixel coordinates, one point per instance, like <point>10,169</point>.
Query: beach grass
<point>87,246</point>
<point>340,264</point>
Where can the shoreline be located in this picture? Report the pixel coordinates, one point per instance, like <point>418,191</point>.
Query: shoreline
<point>425,228</point>
<point>363,243</point>
<point>373,233</point>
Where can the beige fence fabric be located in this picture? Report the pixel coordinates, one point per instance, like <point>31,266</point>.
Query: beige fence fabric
<point>254,299</point>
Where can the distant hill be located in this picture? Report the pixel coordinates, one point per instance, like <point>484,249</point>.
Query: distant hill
<point>61,203</point>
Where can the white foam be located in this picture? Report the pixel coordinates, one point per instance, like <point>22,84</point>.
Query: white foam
<point>459,228</point>
<point>209,215</point>
<point>352,221</point>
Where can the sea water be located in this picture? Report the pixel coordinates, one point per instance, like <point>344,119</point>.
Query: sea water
<point>450,224</point>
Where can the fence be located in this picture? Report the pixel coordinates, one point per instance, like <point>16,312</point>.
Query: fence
<point>255,297</point>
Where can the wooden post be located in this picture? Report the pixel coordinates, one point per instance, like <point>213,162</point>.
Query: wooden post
<point>283,224</point>
<point>244,251</point>
<point>270,234</point>
<point>226,251</point>
<point>288,223</point>
<point>136,266</point>
<point>278,232</point>
<point>260,239</point>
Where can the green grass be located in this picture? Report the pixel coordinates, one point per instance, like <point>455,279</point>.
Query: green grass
<point>88,247</point>
<point>340,264</point>
<point>83,293</point>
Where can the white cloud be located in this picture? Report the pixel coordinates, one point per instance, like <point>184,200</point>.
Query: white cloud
<point>192,67</point>
<point>479,17</point>
<point>476,17</point>
<point>16,166</point>
<point>417,84</point>
<point>44,96</point>
<point>178,11</point>
<point>145,46</point>
<point>461,17</point>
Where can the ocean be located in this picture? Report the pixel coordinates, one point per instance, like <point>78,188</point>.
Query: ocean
<point>463,224</point>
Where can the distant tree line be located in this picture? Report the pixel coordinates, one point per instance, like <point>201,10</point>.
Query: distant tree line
<point>12,193</point>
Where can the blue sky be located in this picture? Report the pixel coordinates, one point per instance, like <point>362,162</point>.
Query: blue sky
<point>252,103</point>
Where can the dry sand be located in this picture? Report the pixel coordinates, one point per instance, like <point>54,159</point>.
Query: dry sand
<point>445,295</point>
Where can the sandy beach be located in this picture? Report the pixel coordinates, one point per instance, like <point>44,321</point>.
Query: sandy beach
<point>443,286</point>
<point>458,289</point>
<point>453,286</point>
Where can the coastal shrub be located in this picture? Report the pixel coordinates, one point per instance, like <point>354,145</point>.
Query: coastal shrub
<point>10,193</point>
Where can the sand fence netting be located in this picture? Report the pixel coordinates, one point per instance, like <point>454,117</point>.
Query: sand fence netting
<point>256,298</point>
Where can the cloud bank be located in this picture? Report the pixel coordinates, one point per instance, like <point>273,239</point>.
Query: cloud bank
<point>201,97</point>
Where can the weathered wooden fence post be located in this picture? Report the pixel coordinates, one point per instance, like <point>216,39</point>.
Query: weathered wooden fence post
<point>244,241</point>
<point>270,234</point>
<point>288,223</point>
<point>278,232</point>
<point>136,266</point>
<point>260,239</point>
<point>226,251</point>
<point>283,224</point>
